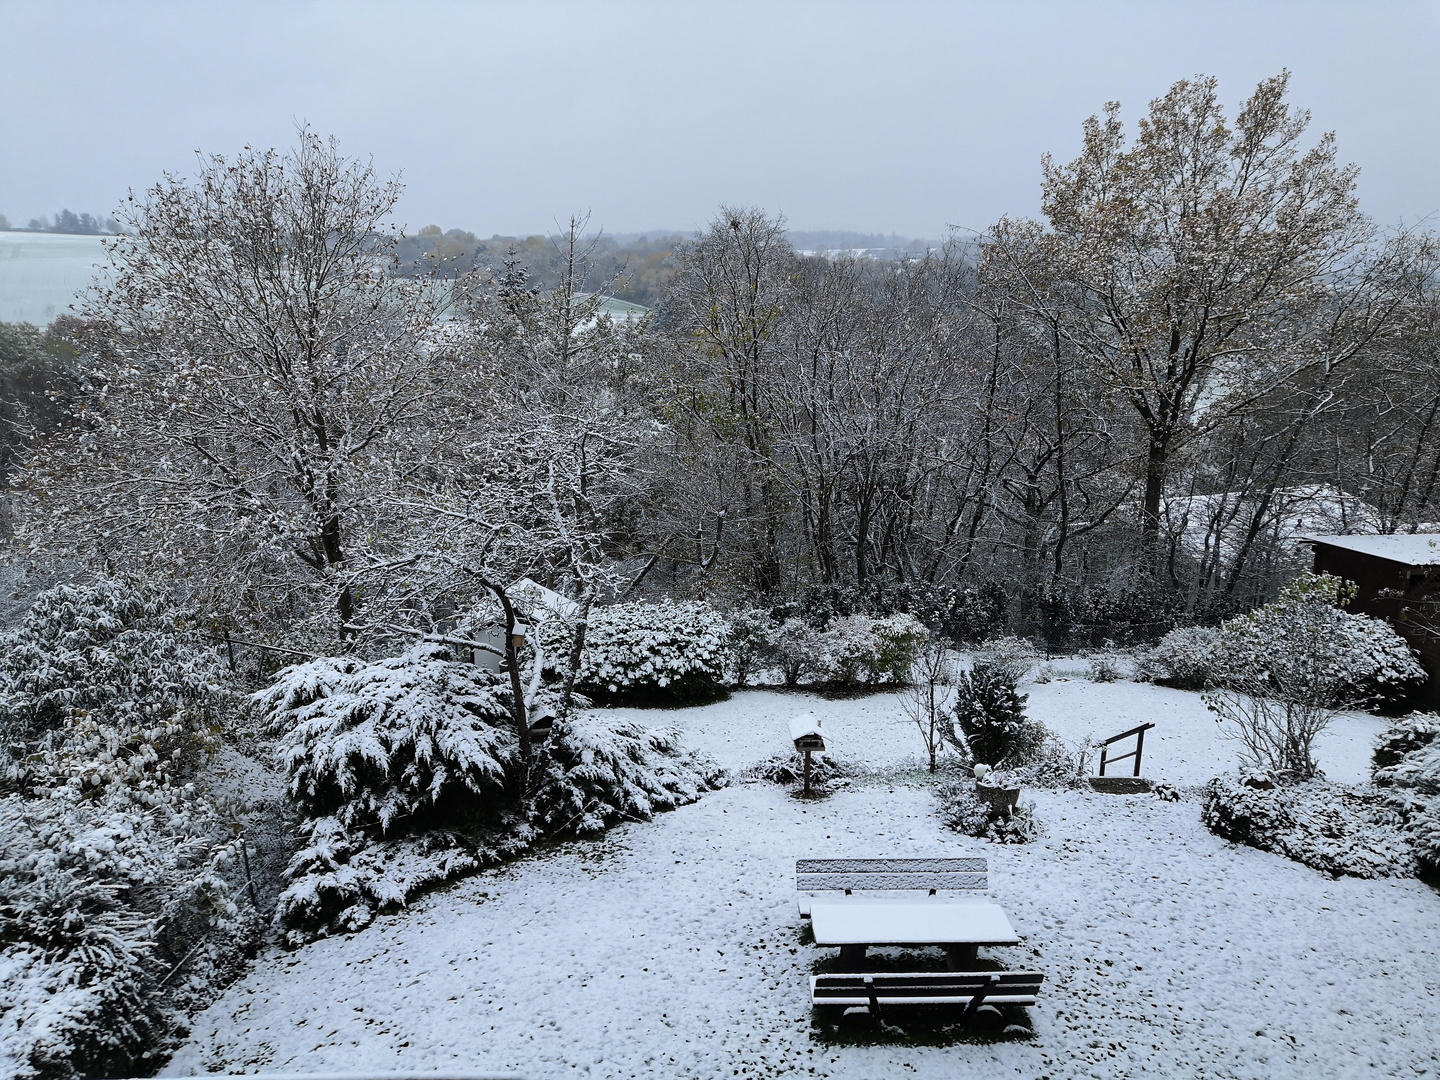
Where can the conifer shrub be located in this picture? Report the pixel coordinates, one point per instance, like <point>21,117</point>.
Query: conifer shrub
<point>989,724</point>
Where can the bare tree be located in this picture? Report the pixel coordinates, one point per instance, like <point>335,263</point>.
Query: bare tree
<point>256,368</point>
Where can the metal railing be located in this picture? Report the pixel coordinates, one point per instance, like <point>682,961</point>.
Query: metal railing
<point>1139,733</point>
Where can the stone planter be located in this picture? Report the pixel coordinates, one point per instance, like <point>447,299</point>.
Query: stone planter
<point>1002,801</point>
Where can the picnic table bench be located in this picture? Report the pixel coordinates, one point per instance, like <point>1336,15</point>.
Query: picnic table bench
<point>859,903</point>
<point>969,988</point>
<point>830,878</point>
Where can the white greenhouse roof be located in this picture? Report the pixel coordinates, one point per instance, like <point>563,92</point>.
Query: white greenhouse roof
<point>1412,549</point>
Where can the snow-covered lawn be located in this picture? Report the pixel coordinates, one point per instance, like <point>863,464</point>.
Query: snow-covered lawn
<point>673,949</point>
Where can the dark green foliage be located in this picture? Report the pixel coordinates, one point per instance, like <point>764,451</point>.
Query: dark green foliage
<point>969,614</point>
<point>1403,737</point>
<point>36,371</point>
<point>990,715</point>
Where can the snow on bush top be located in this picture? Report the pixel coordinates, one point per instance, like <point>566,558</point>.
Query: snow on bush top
<point>1304,638</point>
<point>380,743</point>
<point>671,648</point>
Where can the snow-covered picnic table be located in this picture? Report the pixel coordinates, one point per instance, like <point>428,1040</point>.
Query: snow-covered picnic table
<point>958,926</point>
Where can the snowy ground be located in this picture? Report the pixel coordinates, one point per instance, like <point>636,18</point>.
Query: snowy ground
<point>673,948</point>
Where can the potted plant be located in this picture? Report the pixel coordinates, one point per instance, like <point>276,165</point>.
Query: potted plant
<point>1000,788</point>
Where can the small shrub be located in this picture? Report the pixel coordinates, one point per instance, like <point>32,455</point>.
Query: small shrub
<point>1104,669</point>
<point>964,811</point>
<point>1013,657</point>
<point>1184,658</point>
<point>1337,830</point>
<point>797,650</point>
<point>671,651</point>
<point>788,770</point>
<point>1052,764</point>
<point>748,642</point>
<point>989,722</point>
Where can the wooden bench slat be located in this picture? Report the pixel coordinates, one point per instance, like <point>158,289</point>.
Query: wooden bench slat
<point>937,999</point>
<point>908,882</point>
<point>965,865</point>
<point>924,988</point>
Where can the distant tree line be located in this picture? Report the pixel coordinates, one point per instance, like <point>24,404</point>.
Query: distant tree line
<point>67,221</point>
<point>634,269</point>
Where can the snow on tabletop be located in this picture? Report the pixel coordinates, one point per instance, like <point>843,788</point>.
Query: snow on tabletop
<point>672,949</point>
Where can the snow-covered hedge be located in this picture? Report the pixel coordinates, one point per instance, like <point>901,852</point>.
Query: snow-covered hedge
<point>1407,767</point>
<point>392,743</point>
<point>851,650</point>
<point>858,648</point>
<point>1283,671</point>
<point>342,878</point>
<point>115,863</point>
<point>1183,658</point>
<point>671,650</point>
<point>749,643</point>
<point>1334,829</point>
<point>796,649</point>
<point>1305,636</point>
<point>592,773</point>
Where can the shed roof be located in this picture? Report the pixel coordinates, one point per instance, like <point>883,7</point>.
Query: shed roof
<point>1411,549</point>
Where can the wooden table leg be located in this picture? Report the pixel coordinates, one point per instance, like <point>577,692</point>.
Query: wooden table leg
<point>961,957</point>
<point>852,956</point>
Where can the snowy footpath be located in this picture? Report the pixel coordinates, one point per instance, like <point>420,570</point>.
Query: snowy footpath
<point>673,949</point>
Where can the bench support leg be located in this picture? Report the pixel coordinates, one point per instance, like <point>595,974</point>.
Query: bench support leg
<point>852,956</point>
<point>961,957</point>
<point>874,999</point>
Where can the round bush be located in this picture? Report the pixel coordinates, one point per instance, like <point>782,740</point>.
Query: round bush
<point>667,652</point>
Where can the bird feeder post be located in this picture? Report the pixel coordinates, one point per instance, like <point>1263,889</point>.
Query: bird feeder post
<point>807,735</point>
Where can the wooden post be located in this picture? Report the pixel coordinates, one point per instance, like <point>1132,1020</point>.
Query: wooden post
<point>1139,749</point>
<point>230,648</point>
<point>807,774</point>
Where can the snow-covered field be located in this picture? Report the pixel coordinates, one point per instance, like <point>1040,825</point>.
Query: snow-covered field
<point>41,274</point>
<point>673,949</point>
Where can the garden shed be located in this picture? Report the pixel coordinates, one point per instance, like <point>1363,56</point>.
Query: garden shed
<point>1397,578</point>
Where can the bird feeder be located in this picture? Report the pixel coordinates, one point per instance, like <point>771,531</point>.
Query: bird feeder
<point>808,736</point>
<point>517,636</point>
<point>543,722</point>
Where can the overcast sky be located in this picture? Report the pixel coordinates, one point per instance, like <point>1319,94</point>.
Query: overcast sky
<point>877,117</point>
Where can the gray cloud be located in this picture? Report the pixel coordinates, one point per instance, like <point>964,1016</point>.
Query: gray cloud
<point>877,117</point>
